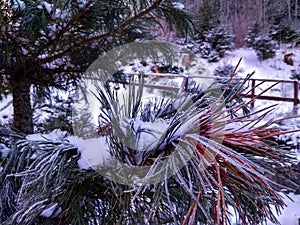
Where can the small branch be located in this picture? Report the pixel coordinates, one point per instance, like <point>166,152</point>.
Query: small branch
<point>64,29</point>
<point>154,6</point>
<point>71,48</point>
<point>7,105</point>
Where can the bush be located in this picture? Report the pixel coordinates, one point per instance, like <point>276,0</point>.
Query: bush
<point>264,47</point>
<point>283,33</point>
<point>220,39</point>
<point>207,52</point>
<point>253,33</point>
<point>295,75</point>
<point>215,43</point>
<point>224,71</point>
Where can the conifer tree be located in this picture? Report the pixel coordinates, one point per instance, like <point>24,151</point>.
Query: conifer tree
<point>50,43</point>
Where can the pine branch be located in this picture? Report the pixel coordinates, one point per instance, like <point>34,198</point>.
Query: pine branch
<point>63,30</point>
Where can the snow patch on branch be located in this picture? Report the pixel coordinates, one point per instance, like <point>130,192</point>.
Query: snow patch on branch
<point>93,152</point>
<point>178,5</point>
<point>52,211</point>
<point>54,13</point>
<point>4,151</point>
<point>18,5</point>
<point>55,135</point>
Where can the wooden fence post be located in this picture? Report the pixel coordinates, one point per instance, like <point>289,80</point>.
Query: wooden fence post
<point>296,92</point>
<point>186,83</point>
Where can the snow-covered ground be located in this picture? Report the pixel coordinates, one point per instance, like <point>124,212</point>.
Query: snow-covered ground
<point>6,110</point>
<point>291,214</point>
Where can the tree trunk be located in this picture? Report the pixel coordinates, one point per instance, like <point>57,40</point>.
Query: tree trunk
<point>22,105</point>
<point>296,15</point>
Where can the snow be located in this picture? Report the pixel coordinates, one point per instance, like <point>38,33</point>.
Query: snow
<point>24,51</point>
<point>54,13</point>
<point>94,152</point>
<point>178,5</point>
<point>290,214</point>
<point>4,150</point>
<point>55,135</point>
<point>33,157</point>
<point>273,68</point>
<point>49,211</point>
<point>81,3</point>
<point>152,133</point>
<point>18,5</point>
<point>48,7</point>
<point>6,110</point>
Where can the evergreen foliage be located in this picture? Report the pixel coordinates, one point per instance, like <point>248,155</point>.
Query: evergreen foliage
<point>213,37</point>
<point>295,75</point>
<point>264,47</point>
<point>206,18</point>
<point>253,33</point>
<point>279,17</point>
<point>52,109</point>
<point>283,33</point>
<point>51,43</point>
<point>227,152</point>
<point>4,87</point>
<point>225,70</point>
<point>225,163</point>
<point>229,86</point>
<point>215,43</point>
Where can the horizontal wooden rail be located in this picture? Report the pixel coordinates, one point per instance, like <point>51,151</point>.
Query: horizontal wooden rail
<point>208,77</point>
<point>295,98</point>
<point>272,98</point>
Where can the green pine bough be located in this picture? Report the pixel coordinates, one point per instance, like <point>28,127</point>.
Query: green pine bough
<point>227,156</point>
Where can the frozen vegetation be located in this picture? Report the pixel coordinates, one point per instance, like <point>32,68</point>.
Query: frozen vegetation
<point>95,151</point>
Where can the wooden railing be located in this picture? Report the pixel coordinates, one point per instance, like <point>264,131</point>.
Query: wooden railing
<point>294,99</point>
<point>253,95</point>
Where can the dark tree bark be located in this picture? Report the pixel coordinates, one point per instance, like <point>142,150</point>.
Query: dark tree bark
<point>22,105</point>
